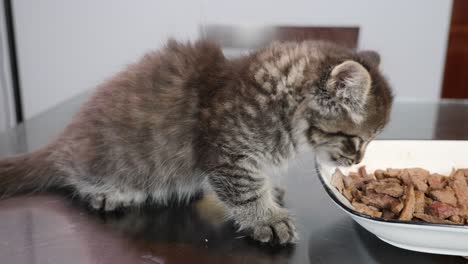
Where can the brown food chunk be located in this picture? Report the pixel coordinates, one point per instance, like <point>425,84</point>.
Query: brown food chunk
<point>419,202</point>
<point>362,171</point>
<point>456,219</point>
<point>353,181</point>
<point>348,182</point>
<point>357,194</point>
<point>418,172</point>
<point>337,180</point>
<point>409,204</point>
<point>397,180</point>
<point>441,210</point>
<point>347,194</point>
<point>436,181</point>
<point>460,188</point>
<point>380,201</point>
<point>379,174</point>
<point>463,212</point>
<point>368,177</point>
<point>397,208</point>
<point>405,177</point>
<point>371,177</point>
<point>432,219</point>
<point>407,194</point>
<point>368,210</point>
<point>447,195</point>
<point>428,200</point>
<point>391,188</point>
<point>394,173</point>
<point>387,214</point>
<point>418,178</point>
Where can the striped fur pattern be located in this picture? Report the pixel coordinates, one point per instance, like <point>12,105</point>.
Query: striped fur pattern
<point>185,119</point>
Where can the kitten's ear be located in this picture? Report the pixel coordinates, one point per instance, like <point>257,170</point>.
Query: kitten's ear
<point>371,57</point>
<point>349,84</point>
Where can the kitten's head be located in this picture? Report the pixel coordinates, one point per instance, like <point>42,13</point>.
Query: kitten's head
<point>349,105</point>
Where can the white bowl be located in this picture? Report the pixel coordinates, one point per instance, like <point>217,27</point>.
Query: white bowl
<point>435,156</point>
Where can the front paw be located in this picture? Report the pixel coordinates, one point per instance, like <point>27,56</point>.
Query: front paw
<point>279,229</point>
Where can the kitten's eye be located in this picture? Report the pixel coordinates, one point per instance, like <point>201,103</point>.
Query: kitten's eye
<point>341,85</point>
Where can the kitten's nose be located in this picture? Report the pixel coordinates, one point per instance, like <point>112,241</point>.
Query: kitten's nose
<point>358,158</point>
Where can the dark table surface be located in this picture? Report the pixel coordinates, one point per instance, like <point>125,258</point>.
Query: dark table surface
<point>49,228</point>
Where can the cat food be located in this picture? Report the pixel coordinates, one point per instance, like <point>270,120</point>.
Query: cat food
<point>412,194</point>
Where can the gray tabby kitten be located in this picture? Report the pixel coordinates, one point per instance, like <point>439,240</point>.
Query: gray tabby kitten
<point>186,119</point>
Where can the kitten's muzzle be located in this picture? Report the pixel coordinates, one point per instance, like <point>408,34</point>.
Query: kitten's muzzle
<point>359,157</point>
<point>339,156</point>
<point>354,160</point>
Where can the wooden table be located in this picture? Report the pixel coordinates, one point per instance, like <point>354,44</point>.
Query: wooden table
<point>50,228</point>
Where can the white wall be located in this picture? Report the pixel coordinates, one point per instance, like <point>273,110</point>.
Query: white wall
<point>66,46</point>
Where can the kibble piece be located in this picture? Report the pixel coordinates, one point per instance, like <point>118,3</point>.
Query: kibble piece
<point>405,177</point>
<point>391,188</point>
<point>353,181</point>
<point>397,208</point>
<point>463,212</point>
<point>381,201</point>
<point>460,188</point>
<point>347,194</point>
<point>419,202</point>
<point>436,181</point>
<point>362,172</point>
<point>432,219</point>
<point>456,219</point>
<point>418,172</point>
<point>368,210</point>
<point>417,177</point>
<point>409,204</point>
<point>387,214</point>
<point>379,174</point>
<point>466,174</point>
<point>337,180</point>
<point>397,180</point>
<point>447,195</point>
<point>393,173</point>
<point>428,200</point>
<point>357,194</point>
<point>368,177</point>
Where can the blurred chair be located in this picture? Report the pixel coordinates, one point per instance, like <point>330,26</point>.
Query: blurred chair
<point>236,39</point>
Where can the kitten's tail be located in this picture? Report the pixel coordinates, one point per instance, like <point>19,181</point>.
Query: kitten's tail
<point>27,173</point>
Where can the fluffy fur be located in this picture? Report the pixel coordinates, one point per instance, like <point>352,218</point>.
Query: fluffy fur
<point>186,119</point>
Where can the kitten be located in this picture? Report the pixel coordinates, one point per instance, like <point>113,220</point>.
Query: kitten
<point>186,119</point>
